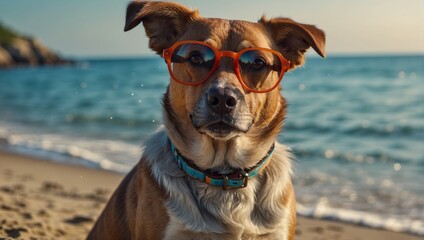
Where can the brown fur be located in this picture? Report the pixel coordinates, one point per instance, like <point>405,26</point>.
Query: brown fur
<point>141,207</point>
<point>136,208</point>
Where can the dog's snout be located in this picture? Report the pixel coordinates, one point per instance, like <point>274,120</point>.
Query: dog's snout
<point>222,100</point>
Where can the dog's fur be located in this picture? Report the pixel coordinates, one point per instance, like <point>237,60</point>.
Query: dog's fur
<point>157,200</point>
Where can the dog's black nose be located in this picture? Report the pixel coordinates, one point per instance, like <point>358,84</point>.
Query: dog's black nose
<point>222,100</point>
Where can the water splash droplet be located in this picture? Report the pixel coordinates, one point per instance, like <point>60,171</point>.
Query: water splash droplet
<point>329,154</point>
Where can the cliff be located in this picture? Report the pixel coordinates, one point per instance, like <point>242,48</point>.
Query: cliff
<point>19,50</point>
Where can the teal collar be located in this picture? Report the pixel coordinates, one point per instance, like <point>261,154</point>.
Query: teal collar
<point>236,179</point>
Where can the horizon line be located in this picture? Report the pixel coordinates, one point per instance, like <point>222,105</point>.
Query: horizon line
<point>330,55</point>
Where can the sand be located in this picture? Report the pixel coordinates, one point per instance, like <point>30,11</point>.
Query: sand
<point>44,200</point>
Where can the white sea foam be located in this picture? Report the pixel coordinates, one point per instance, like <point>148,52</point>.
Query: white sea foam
<point>104,154</point>
<point>322,210</point>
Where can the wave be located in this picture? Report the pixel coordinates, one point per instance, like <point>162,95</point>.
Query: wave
<point>101,154</point>
<point>108,120</point>
<point>357,130</point>
<point>344,157</point>
<point>383,131</point>
<point>323,211</point>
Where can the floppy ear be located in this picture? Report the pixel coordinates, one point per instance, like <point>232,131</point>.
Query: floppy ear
<point>293,39</point>
<point>164,22</point>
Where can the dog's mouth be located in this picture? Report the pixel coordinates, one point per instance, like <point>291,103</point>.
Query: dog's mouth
<point>221,128</point>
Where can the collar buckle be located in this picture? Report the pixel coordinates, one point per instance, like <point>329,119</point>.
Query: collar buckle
<point>235,183</point>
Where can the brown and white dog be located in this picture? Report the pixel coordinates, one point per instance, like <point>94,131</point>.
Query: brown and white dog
<point>218,127</point>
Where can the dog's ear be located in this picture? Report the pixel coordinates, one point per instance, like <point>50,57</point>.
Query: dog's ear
<point>293,39</point>
<point>164,22</point>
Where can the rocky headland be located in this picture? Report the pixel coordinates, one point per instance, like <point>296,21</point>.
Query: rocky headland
<point>20,50</point>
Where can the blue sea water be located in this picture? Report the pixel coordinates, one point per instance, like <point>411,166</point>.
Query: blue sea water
<point>355,125</point>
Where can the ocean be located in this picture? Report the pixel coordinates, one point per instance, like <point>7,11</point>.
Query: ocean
<point>355,125</point>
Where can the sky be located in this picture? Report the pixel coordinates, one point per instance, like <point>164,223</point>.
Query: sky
<point>94,28</point>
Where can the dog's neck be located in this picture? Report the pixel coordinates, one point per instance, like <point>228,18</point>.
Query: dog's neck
<point>254,209</point>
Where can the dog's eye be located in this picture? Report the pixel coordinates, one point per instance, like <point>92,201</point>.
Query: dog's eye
<point>258,64</point>
<point>195,58</point>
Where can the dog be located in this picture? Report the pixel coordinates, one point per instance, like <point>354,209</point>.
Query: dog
<point>214,170</point>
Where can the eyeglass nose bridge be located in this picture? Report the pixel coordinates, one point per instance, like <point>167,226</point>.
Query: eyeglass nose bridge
<point>221,54</point>
<point>229,54</point>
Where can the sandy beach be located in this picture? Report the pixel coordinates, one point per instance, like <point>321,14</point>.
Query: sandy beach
<point>40,199</point>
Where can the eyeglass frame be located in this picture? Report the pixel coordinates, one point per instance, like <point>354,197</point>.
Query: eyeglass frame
<point>167,55</point>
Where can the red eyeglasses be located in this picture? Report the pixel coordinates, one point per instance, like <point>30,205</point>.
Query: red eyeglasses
<point>259,70</point>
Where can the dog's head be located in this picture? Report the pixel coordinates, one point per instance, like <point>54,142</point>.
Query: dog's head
<point>228,104</point>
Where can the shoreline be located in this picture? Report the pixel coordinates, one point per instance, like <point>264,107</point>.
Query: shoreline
<point>41,198</point>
